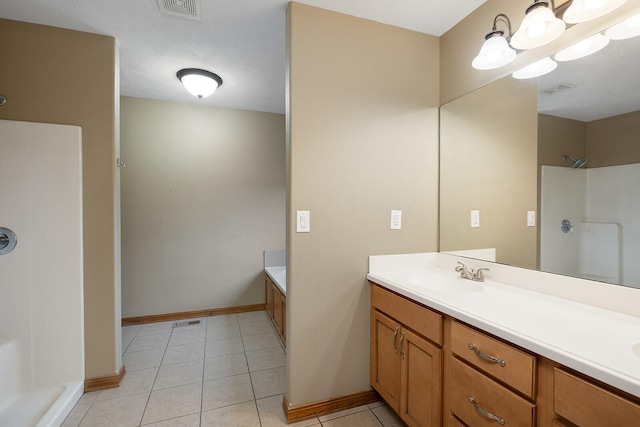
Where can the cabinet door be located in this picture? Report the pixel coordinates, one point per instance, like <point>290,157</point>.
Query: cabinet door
<point>421,381</point>
<point>588,405</point>
<point>283,331</point>
<point>277,309</point>
<point>385,358</point>
<point>269,296</point>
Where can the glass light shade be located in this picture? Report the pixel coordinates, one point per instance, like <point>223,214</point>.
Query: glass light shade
<point>494,53</point>
<point>539,27</point>
<point>625,30</point>
<point>586,10</point>
<point>583,48</point>
<point>536,69</point>
<point>199,83</point>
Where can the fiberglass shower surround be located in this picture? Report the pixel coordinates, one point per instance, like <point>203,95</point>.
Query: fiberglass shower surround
<point>41,304</point>
<point>601,242</point>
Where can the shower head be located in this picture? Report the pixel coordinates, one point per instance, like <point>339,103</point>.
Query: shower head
<point>577,163</point>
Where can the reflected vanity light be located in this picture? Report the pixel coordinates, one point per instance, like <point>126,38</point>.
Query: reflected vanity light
<point>539,27</point>
<point>583,48</point>
<point>495,52</point>
<point>625,30</point>
<point>586,10</point>
<point>536,69</point>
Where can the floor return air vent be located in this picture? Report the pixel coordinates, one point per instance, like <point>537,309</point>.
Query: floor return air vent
<point>186,323</point>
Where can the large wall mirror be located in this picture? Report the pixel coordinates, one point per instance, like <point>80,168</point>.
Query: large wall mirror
<point>514,183</point>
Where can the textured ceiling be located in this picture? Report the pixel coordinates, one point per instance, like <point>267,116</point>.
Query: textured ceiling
<point>604,84</point>
<point>241,40</point>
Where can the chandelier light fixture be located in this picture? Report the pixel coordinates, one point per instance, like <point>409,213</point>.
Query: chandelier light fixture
<point>539,27</point>
<point>536,69</point>
<point>583,48</point>
<point>586,10</point>
<point>495,52</point>
<point>625,30</point>
<point>199,83</point>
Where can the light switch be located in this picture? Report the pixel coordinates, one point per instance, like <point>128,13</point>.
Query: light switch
<point>475,219</point>
<point>303,219</point>
<point>531,218</point>
<point>396,220</point>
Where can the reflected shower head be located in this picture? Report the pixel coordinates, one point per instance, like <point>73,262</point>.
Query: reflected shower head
<point>577,163</point>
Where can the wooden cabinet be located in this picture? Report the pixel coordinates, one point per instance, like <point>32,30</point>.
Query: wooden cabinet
<point>511,366</point>
<point>435,370</point>
<point>586,404</point>
<point>276,305</point>
<point>405,367</point>
<point>490,381</point>
<point>269,295</point>
<point>478,400</point>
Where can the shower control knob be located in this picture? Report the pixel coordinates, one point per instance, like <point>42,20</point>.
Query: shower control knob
<point>8,240</point>
<point>566,226</point>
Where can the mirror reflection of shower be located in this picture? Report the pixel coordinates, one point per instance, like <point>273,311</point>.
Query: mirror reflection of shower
<point>577,163</point>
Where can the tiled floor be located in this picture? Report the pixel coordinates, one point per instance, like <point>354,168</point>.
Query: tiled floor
<point>228,371</point>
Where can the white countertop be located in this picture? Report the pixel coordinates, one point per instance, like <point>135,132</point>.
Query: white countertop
<point>593,340</point>
<point>279,277</point>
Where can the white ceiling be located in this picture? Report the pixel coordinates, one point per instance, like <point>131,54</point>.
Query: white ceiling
<point>605,84</point>
<point>241,40</point>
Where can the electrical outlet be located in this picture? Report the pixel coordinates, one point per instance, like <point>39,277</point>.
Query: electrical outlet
<point>303,222</point>
<point>531,218</point>
<point>396,220</point>
<point>475,219</point>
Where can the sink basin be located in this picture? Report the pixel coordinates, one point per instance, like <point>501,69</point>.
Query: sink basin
<point>636,349</point>
<point>425,280</point>
<point>441,283</point>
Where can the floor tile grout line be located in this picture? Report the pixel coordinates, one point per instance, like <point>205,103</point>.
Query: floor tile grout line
<point>206,329</point>
<point>253,390</point>
<point>146,405</point>
<point>203,341</point>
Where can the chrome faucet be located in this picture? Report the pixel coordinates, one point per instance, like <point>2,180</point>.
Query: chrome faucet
<point>470,274</point>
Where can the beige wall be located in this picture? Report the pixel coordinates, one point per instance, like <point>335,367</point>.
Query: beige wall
<point>362,140</point>
<point>203,195</point>
<point>488,151</point>
<point>53,75</point>
<point>613,141</point>
<point>558,136</point>
<point>462,43</point>
<point>605,142</point>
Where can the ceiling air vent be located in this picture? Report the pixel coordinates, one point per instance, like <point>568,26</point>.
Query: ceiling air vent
<point>184,8</point>
<point>555,89</point>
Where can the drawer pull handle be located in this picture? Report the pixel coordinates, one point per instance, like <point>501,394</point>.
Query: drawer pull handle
<point>486,356</point>
<point>485,413</point>
<point>400,345</point>
<point>395,334</point>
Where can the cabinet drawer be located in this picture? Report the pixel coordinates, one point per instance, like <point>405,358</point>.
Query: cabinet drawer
<point>470,393</point>
<point>519,367</point>
<point>453,422</point>
<point>422,320</point>
<point>589,405</point>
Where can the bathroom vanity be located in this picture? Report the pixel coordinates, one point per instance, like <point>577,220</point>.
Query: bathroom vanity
<point>455,352</point>
<point>276,291</point>
<point>276,308</point>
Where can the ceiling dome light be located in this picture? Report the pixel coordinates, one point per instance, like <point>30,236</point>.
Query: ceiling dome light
<point>495,52</point>
<point>200,83</point>
<point>586,10</point>
<point>625,30</point>
<point>583,48</point>
<point>539,27</point>
<point>536,69</point>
